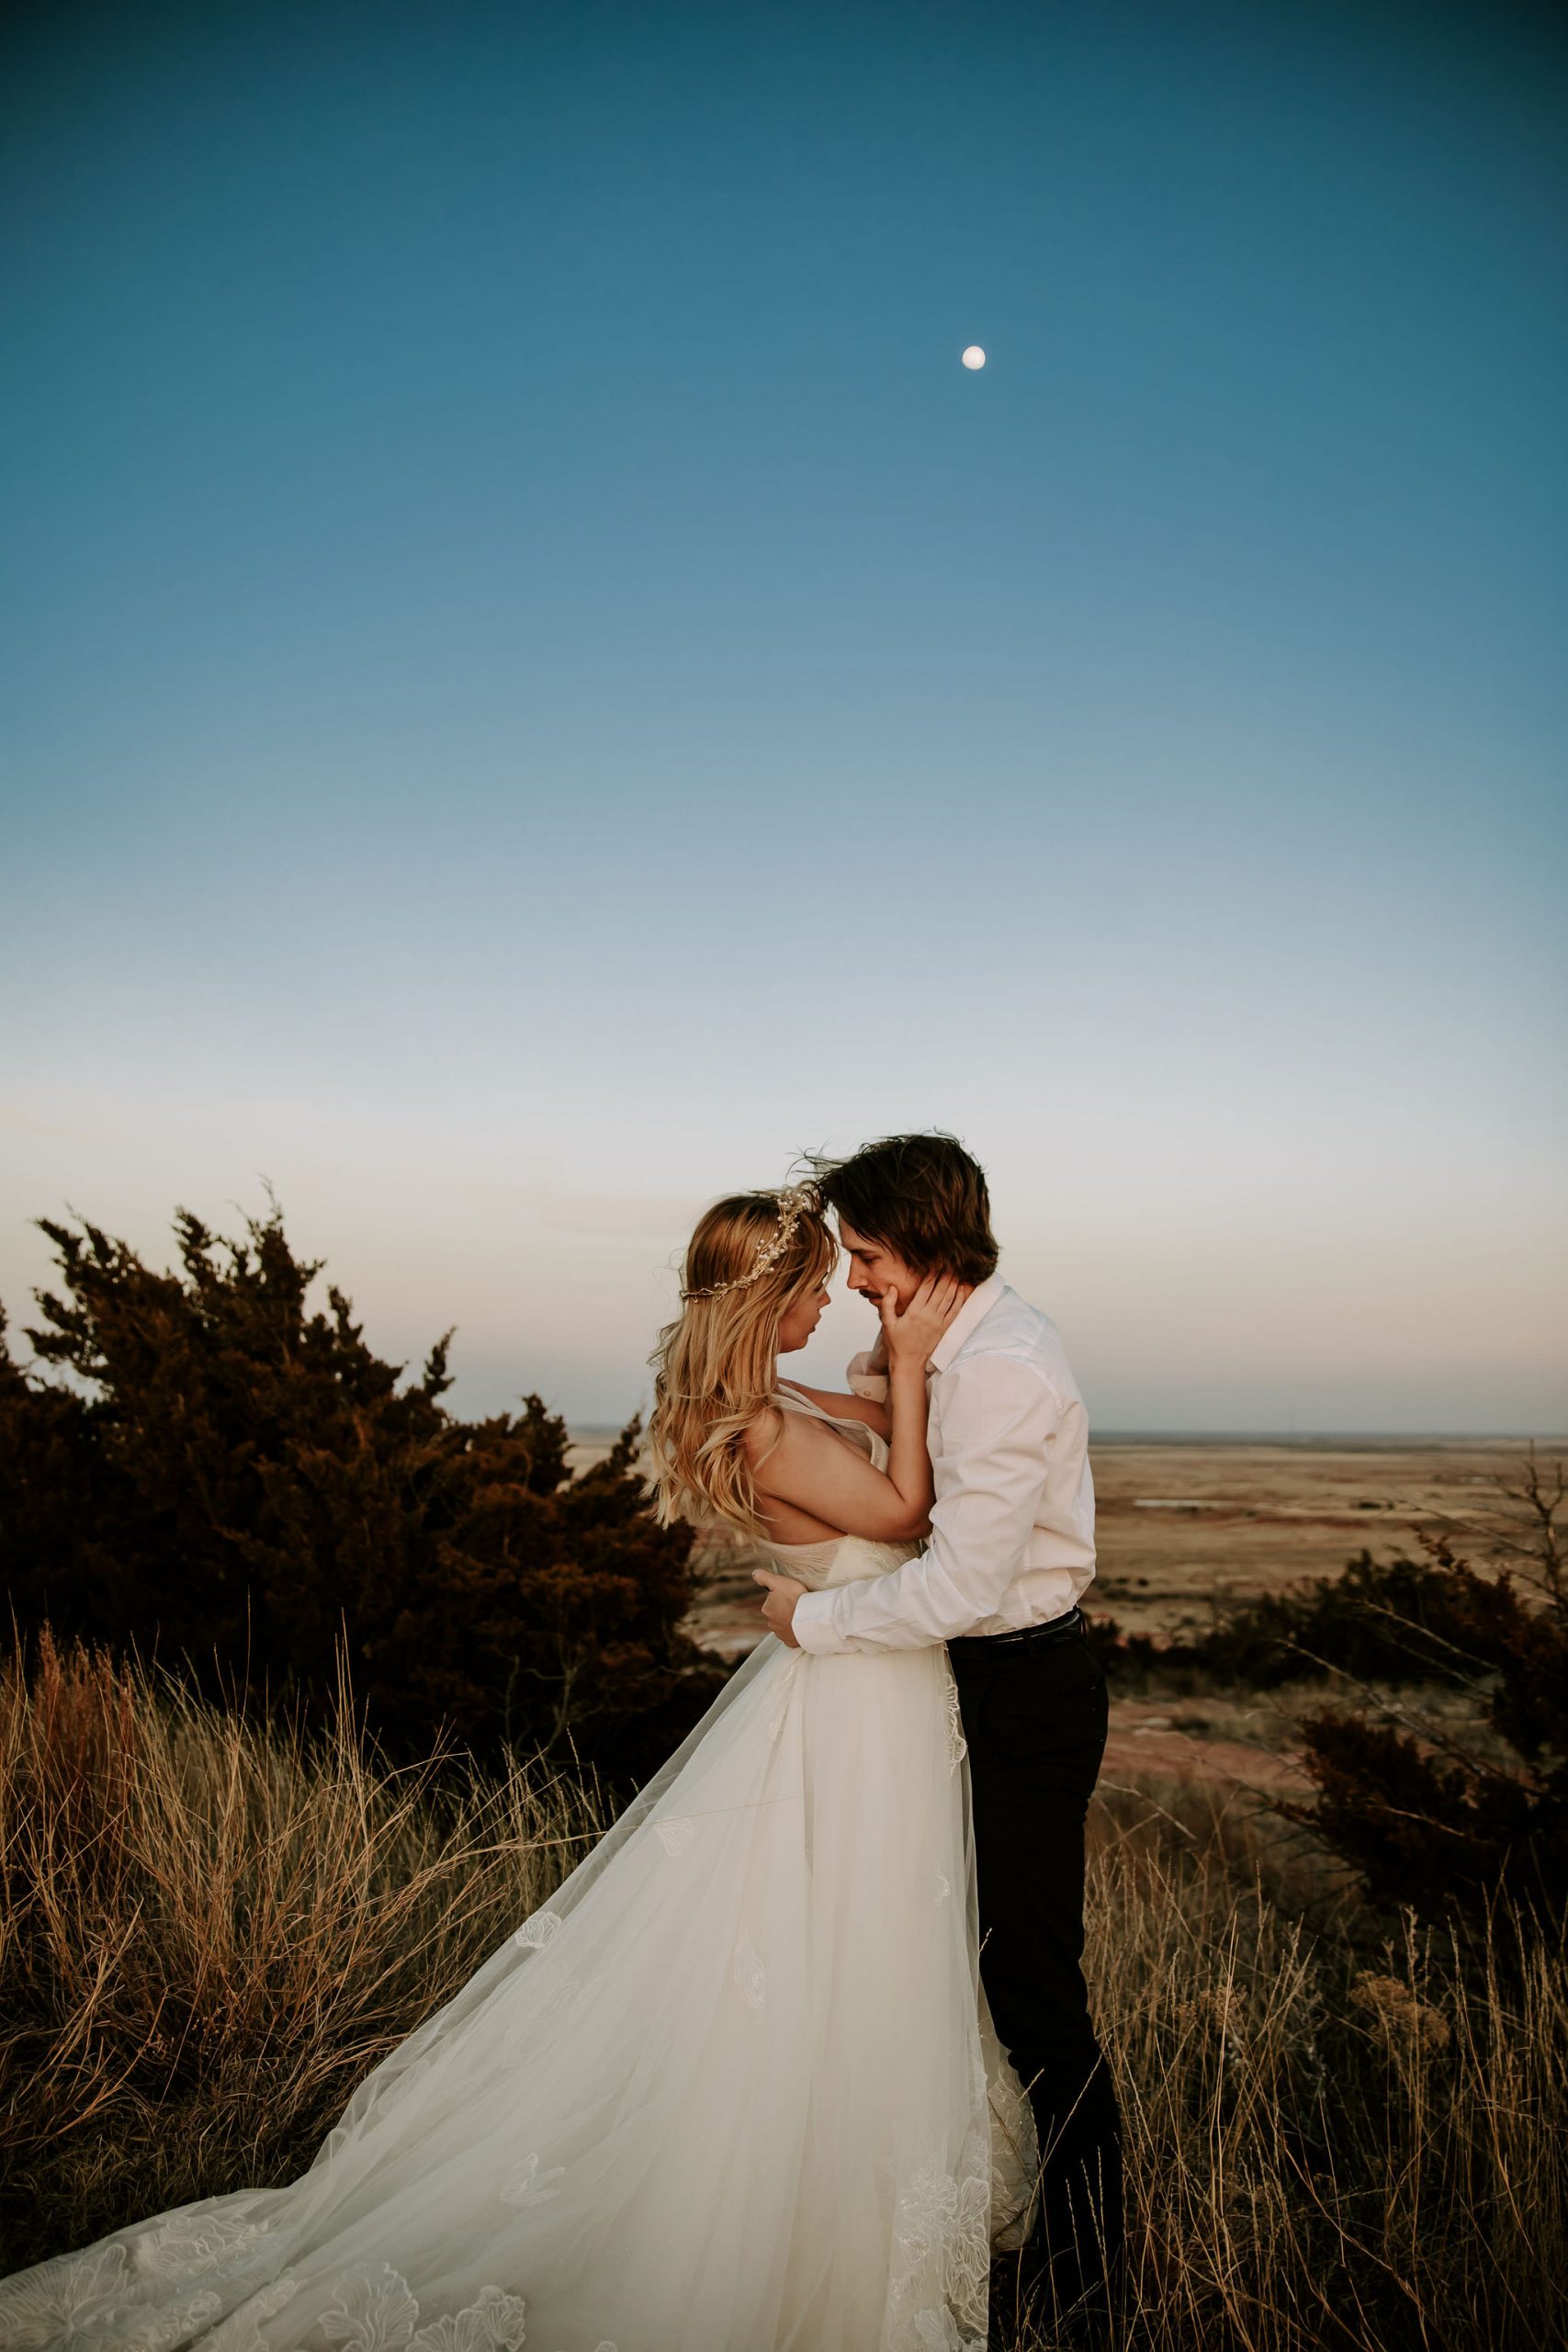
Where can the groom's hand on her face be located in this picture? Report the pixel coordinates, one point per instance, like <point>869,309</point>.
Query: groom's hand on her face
<point>778,1608</point>
<point>912,1326</point>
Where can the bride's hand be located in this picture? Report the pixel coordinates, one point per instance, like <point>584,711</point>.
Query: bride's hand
<point>909,1336</point>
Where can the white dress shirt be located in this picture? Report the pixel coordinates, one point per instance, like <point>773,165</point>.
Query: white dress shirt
<point>1013,1526</point>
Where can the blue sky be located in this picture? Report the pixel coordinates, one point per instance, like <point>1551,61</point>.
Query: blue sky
<point>536,686</point>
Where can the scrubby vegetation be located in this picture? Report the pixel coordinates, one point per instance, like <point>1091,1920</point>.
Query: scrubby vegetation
<point>315,1689</point>
<point>1339,2134</point>
<point>201,1467</point>
<point>213,1927</point>
<point>1398,1622</point>
<point>1452,1824</point>
<point>1446,1819</point>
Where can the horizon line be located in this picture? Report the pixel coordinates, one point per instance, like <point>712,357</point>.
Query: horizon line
<point>1250,1436</point>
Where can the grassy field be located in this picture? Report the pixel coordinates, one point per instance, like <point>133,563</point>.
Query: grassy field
<point>1339,2133</point>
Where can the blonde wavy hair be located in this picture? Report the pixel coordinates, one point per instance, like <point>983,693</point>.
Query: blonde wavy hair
<point>714,1366</point>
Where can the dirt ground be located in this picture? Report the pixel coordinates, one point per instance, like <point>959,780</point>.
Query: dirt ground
<point>1184,1526</point>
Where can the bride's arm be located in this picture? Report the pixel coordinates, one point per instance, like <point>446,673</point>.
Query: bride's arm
<point>820,1474</point>
<point>803,1465</point>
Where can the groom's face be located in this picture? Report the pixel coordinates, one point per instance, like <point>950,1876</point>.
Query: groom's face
<point>874,1268</point>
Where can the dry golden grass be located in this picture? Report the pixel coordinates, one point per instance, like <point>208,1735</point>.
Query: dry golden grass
<point>1333,2139</point>
<point>211,1930</point>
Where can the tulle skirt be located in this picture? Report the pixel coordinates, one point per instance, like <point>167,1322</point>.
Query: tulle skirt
<point>733,2090</point>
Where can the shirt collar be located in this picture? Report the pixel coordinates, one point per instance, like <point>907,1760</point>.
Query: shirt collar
<point>975,1309</point>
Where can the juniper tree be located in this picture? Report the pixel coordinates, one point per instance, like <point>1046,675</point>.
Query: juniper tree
<point>204,1466</point>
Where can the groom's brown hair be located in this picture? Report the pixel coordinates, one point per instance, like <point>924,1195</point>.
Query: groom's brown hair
<point>922,1197</point>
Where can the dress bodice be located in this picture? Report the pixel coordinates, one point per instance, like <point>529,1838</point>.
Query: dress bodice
<point>837,1559</point>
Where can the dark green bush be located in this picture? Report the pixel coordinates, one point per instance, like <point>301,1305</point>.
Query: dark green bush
<point>206,1469</point>
<point>1444,1824</point>
<point>1399,1622</point>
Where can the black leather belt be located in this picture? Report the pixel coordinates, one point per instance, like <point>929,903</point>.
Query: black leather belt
<point>1055,1629</point>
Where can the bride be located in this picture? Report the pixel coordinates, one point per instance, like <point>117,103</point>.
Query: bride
<point>735,2088</point>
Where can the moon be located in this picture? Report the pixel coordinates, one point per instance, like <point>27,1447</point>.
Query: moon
<point>974,356</point>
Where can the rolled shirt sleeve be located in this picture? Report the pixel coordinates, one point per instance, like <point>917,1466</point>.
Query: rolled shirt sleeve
<point>863,1382</point>
<point>995,1416</point>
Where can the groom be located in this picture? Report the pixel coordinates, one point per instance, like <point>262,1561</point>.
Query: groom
<point>1011,1550</point>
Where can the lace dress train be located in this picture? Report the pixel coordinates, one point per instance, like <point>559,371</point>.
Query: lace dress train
<point>733,2090</point>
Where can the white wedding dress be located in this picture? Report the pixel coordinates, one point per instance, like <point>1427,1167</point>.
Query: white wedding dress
<point>734,2089</point>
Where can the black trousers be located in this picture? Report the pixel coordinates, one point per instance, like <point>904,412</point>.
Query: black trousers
<point>1035,1717</point>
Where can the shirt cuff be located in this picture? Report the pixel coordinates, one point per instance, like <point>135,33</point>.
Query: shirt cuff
<point>812,1624</point>
<point>872,1385</point>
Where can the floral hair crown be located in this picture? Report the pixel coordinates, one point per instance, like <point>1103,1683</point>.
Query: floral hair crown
<point>793,1201</point>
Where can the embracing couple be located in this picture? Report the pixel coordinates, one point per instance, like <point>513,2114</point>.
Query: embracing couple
<point>799,2057</point>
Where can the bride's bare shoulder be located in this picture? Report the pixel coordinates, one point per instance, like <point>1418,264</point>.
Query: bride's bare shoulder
<point>780,1441</point>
